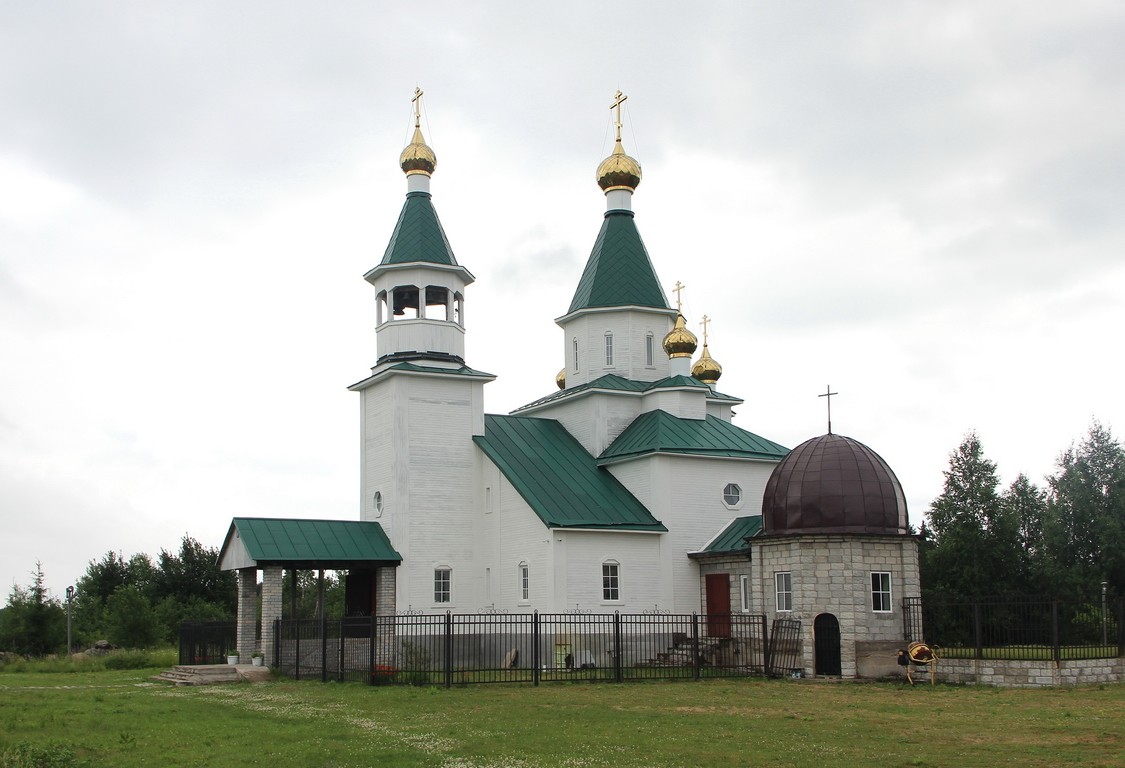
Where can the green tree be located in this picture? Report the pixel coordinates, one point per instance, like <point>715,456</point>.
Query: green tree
<point>130,619</point>
<point>194,573</point>
<point>1084,530</point>
<point>976,548</point>
<point>33,623</point>
<point>1025,506</point>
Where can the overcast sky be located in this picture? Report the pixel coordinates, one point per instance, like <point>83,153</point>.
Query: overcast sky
<point>917,203</point>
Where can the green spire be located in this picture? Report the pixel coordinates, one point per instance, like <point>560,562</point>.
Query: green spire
<point>418,235</point>
<point>619,272</point>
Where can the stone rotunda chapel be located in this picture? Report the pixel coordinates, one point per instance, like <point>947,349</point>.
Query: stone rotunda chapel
<point>626,489</point>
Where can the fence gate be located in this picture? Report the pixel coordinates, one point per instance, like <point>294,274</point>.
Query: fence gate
<point>784,653</point>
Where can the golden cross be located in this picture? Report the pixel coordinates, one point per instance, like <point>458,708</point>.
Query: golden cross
<point>679,287</point>
<point>618,98</point>
<point>417,102</point>
<point>706,320</point>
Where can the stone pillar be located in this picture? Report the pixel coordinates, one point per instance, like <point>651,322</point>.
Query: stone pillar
<point>247,634</point>
<point>271,610</point>
<point>385,609</point>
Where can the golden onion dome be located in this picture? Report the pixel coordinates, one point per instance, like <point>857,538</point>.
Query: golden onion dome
<point>417,158</point>
<point>706,368</point>
<point>680,342</point>
<point>560,378</point>
<point>619,171</point>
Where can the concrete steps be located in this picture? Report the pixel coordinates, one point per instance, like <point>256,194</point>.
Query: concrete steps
<point>210,674</point>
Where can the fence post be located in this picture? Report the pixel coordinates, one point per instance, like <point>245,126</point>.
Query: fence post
<point>296,624</point>
<point>1120,618</point>
<point>978,637</point>
<point>617,676</point>
<point>695,646</point>
<point>536,656</point>
<point>448,649</point>
<point>323,648</point>
<point>1055,630</point>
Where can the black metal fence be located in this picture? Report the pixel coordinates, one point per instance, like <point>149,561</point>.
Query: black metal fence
<point>460,649</point>
<point>206,642</point>
<point>1019,628</point>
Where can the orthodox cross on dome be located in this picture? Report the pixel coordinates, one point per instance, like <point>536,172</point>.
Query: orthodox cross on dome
<point>417,102</point>
<point>618,99</point>
<point>679,287</point>
<point>706,320</point>
<point>828,393</point>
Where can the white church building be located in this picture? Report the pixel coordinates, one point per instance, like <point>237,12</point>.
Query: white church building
<point>627,489</point>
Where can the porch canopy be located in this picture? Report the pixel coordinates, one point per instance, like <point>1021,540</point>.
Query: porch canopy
<point>329,545</point>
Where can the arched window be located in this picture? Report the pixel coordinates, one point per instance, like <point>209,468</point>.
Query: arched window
<point>405,302</point>
<point>649,343</point>
<point>381,315</point>
<point>436,296</point>
<point>611,581</point>
<point>525,582</point>
<point>378,503</point>
<point>575,342</point>
<point>443,584</point>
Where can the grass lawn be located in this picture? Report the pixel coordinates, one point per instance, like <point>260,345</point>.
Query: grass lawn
<point>121,719</point>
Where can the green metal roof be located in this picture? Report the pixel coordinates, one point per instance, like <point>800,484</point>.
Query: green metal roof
<point>273,540</point>
<point>418,235</point>
<point>619,272</point>
<point>613,382</point>
<point>463,370</point>
<point>733,537</point>
<point>558,479</point>
<point>661,432</point>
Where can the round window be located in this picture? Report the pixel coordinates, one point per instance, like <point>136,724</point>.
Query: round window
<point>378,503</point>
<point>732,495</point>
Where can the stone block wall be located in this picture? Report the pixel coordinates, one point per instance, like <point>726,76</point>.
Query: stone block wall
<point>271,610</point>
<point>247,631</point>
<point>1031,674</point>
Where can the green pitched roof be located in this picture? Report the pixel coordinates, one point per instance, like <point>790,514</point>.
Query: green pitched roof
<point>613,382</point>
<point>418,235</point>
<point>272,540</point>
<point>661,432</point>
<point>619,272</point>
<point>558,479</point>
<point>733,537</point>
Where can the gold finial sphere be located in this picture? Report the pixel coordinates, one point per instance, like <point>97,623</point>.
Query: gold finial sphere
<point>560,378</point>
<point>680,342</point>
<point>706,368</point>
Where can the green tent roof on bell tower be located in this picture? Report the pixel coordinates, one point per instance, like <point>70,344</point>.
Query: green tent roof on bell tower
<point>619,272</point>
<point>418,235</point>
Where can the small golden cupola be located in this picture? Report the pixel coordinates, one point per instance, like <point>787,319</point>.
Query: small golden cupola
<point>560,378</point>
<point>417,158</point>
<point>706,368</point>
<point>619,171</point>
<point>680,342</point>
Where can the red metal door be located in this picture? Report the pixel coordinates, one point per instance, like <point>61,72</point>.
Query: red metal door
<point>718,604</point>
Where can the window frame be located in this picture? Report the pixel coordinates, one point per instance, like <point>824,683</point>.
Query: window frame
<point>609,349</point>
<point>650,345</point>
<point>574,343</point>
<point>611,581</point>
<point>525,582</point>
<point>448,583</point>
<point>727,495</point>
<point>744,592</point>
<point>783,596</point>
<point>880,596</point>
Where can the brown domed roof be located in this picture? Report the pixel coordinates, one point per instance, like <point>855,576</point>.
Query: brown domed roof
<point>833,484</point>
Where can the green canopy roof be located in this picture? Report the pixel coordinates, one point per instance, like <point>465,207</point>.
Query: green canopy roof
<point>661,432</point>
<point>558,479</point>
<point>733,537</point>
<point>320,543</point>
<point>613,382</point>
<point>619,272</point>
<point>418,235</point>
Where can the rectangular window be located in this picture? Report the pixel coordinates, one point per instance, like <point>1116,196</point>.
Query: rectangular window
<point>575,342</point>
<point>443,583</point>
<point>525,583</point>
<point>744,592</point>
<point>609,349</point>
<point>881,591</point>
<point>783,581</point>
<point>648,350</point>
<point>611,582</point>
